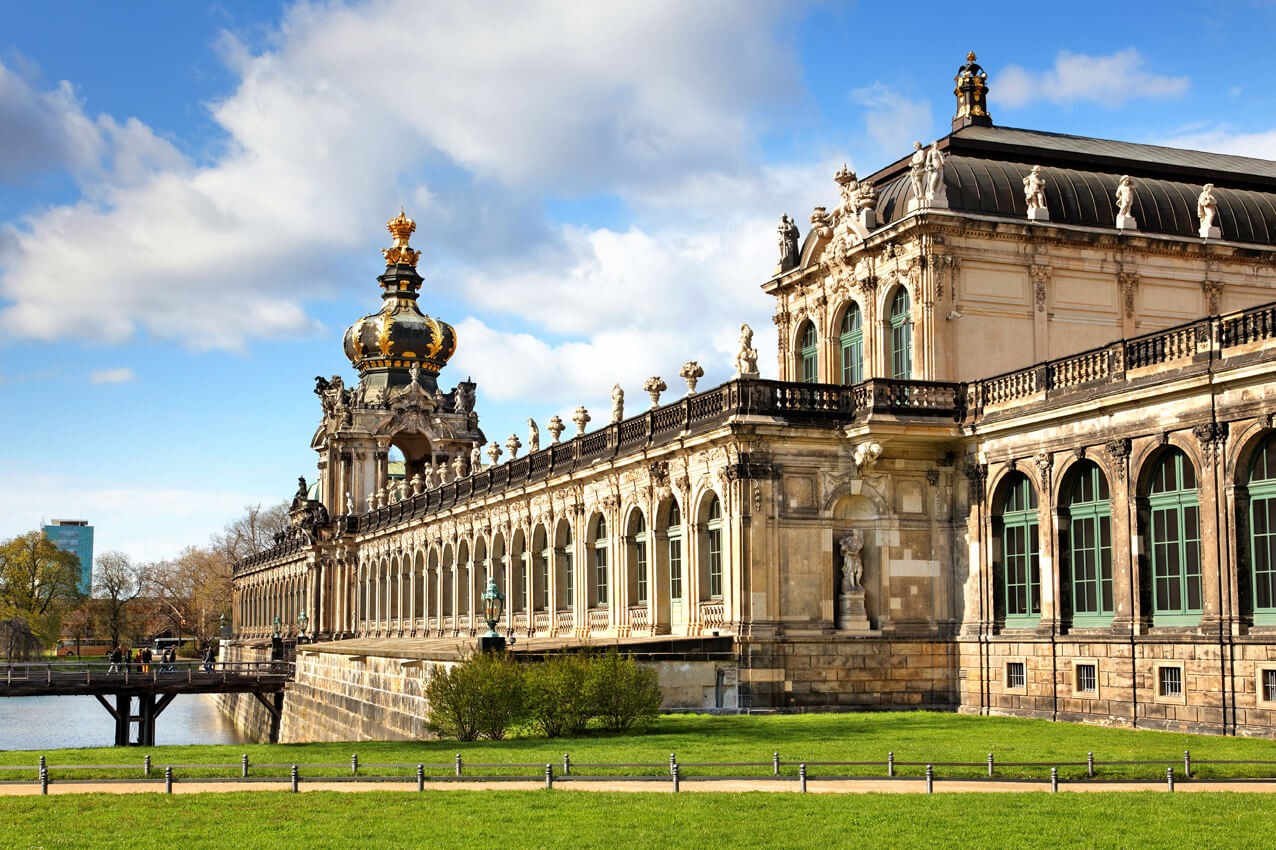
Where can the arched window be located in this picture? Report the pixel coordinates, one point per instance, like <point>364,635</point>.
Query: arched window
<point>675,552</point>
<point>1089,544</point>
<point>713,533</point>
<point>1175,524</point>
<point>544,562</point>
<point>852,344</point>
<point>1020,573</point>
<point>567,578</point>
<point>600,563</point>
<point>1262,532</point>
<point>901,336</point>
<point>809,354</point>
<point>640,559</point>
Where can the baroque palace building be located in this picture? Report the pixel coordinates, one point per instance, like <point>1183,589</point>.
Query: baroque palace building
<point>1020,459</point>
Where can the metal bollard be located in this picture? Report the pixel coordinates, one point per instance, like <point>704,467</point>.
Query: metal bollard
<point>775,763</point>
<point>890,764</point>
<point>458,764</point>
<point>990,765</point>
<point>673,771</point>
<point>354,765</point>
<point>1187,764</point>
<point>168,780</point>
<point>673,762</point>
<point>243,766</point>
<point>930,779</point>
<point>567,765</point>
<point>549,776</point>
<point>1089,765</point>
<point>44,780</point>
<point>1054,780</point>
<point>420,777</point>
<point>43,764</point>
<point>1169,779</point>
<point>146,765</point>
<point>294,779</point>
<point>802,777</point>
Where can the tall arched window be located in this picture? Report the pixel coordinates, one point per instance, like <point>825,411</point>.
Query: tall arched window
<point>1262,532</point>
<point>713,531</point>
<point>852,345</point>
<point>1175,526</point>
<point>901,336</point>
<point>567,579</point>
<point>1089,543</point>
<point>640,559</point>
<point>600,563</point>
<point>675,552</point>
<point>1020,573</point>
<point>809,355</point>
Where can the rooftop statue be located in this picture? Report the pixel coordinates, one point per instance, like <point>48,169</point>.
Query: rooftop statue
<point>1207,212</point>
<point>1034,192</point>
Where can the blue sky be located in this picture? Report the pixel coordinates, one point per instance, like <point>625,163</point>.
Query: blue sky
<point>193,198</point>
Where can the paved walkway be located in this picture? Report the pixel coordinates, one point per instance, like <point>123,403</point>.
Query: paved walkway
<point>662,786</point>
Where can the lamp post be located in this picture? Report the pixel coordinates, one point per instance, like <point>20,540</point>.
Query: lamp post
<point>302,619</point>
<point>221,626</point>
<point>278,627</point>
<point>493,603</point>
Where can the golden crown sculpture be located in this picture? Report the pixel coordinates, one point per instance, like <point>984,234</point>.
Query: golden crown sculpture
<point>401,228</point>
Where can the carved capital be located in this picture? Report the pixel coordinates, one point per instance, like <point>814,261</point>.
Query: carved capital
<point>1211,289</point>
<point>1212,438</point>
<point>1129,283</point>
<point>977,474</point>
<point>1040,278</point>
<point>1119,451</point>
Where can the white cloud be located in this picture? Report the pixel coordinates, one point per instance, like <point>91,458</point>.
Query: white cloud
<point>327,131</point>
<point>1108,81</point>
<point>121,375</point>
<point>893,121</point>
<point>1261,144</point>
<point>42,130</point>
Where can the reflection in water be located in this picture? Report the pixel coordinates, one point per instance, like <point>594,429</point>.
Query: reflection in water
<point>43,723</point>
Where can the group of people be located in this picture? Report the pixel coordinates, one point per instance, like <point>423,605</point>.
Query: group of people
<point>123,660</point>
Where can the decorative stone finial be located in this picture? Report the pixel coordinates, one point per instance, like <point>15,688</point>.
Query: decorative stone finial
<point>556,427</point>
<point>581,418</point>
<point>401,228</point>
<point>513,444</point>
<point>845,176</point>
<point>493,452</point>
<point>691,373</point>
<point>972,95</point>
<point>654,386</point>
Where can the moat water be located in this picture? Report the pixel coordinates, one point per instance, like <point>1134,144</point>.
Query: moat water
<point>43,723</point>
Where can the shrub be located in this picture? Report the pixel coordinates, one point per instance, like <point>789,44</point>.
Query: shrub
<point>557,697</point>
<point>480,696</point>
<point>622,694</point>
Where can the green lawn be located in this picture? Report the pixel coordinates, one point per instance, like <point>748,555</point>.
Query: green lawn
<point>562,819</point>
<point>914,736</point>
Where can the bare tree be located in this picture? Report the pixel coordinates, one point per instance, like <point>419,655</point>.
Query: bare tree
<point>254,532</point>
<point>191,592</point>
<point>117,583</point>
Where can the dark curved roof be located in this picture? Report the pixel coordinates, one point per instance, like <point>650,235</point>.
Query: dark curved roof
<point>993,187</point>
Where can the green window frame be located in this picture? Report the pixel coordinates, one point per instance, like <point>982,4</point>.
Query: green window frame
<point>1090,547</point>
<point>569,571</point>
<point>1020,571</point>
<point>810,354</point>
<point>675,552</point>
<point>852,345</point>
<point>640,560</point>
<point>1262,533</point>
<point>901,336</point>
<point>600,564</point>
<point>1175,523</point>
<point>713,529</point>
<point>547,564</point>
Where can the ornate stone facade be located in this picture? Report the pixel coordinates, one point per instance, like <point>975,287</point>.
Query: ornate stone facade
<point>1009,466</point>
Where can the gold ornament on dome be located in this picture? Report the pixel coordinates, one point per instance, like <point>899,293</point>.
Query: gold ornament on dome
<point>383,337</point>
<point>436,343</point>
<point>401,228</point>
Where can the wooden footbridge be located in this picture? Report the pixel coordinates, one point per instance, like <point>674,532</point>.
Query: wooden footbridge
<point>139,696</point>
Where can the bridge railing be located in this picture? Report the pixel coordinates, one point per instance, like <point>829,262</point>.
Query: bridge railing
<point>28,673</point>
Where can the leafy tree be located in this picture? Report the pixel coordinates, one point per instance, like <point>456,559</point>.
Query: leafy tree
<point>17,640</point>
<point>482,696</point>
<point>623,693</point>
<point>557,698</point>
<point>38,583</point>
<point>117,584</point>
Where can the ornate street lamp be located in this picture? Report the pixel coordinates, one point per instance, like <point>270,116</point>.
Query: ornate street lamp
<point>302,619</point>
<point>221,626</point>
<point>278,626</point>
<point>493,604</point>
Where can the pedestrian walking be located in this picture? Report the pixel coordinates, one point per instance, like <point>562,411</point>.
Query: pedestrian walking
<point>117,656</point>
<point>210,658</point>
<point>145,657</point>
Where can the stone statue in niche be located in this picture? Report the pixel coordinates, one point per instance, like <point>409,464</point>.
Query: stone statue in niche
<point>1207,212</point>
<point>789,235</point>
<point>1125,203</point>
<point>349,504</point>
<point>533,437</point>
<point>852,561</point>
<point>1034,192</point>
<point>746,359</point>
<point>617,404</point>
<point>936,191</point>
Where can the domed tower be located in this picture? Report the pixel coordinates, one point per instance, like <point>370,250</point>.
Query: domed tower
<point>398,352</point>
<point>385,345</point>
